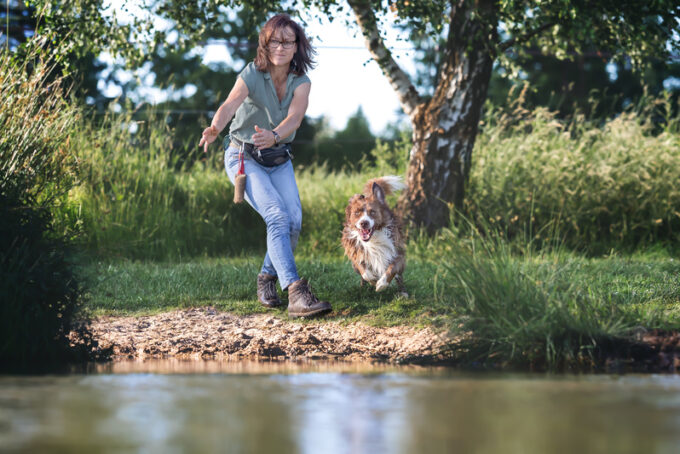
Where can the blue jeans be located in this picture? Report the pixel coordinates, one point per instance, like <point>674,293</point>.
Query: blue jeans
<point>273,192</point>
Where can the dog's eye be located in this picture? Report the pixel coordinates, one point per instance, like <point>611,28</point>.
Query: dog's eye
<point>372,212</point>
<point>357,213</point>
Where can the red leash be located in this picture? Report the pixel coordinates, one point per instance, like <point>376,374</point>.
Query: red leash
<point>242,169</point>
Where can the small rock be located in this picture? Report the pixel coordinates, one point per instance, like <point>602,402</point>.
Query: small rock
<point>312,340</point>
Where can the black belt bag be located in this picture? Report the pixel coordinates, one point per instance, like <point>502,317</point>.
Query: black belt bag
<point>269,157</point>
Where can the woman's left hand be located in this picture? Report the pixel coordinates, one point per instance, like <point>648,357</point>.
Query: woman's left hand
<point>263,138</point>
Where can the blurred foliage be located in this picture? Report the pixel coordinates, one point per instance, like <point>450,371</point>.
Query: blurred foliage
<point>597,186</point>
<point>593,85</point>
<point>348,148</point>
<point>594,82</point>
<point>80,71</point>
<point>563,29</point>
<point>194,89</point>
<point>542,43</point>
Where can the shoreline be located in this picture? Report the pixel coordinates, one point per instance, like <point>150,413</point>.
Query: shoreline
<point>206,333</point>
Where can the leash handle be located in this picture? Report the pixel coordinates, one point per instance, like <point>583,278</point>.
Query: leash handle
<point>240,180</point>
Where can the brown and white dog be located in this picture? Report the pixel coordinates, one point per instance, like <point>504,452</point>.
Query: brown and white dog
<point>372,235</point>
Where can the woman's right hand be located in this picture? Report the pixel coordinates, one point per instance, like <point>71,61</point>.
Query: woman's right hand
<point>209,136</point>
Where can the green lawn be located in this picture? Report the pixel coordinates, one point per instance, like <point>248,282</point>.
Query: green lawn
<point>124,288</point>
<point>646,288</point>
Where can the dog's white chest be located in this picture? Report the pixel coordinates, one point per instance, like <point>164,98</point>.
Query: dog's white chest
<point>379,253</point>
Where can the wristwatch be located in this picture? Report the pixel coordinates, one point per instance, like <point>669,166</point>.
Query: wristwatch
<point>277,137</point>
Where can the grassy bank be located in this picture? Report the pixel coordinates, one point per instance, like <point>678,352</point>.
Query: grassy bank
<point>531,273</point>
<point>546,310</point>
<point>645,287</point>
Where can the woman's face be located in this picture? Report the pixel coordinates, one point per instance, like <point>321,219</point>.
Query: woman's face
<point>282,46</point>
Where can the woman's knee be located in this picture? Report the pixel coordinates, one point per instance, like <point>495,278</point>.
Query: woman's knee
<point>277,219</point>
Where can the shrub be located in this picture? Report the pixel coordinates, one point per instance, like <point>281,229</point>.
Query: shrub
<point>39,292</point>
<point>38,287</point>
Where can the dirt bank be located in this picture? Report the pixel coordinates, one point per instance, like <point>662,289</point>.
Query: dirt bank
<point>206,333</point>
<point>209,333</point>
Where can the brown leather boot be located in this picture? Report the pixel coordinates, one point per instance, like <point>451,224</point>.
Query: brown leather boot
<point>266,290</point>
<point>303,303</point>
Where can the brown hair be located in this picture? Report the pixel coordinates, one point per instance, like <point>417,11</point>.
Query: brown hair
<point>302,60</point>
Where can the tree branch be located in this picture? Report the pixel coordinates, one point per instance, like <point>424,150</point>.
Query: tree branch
<point>502,47</point>
<point>400,81</point>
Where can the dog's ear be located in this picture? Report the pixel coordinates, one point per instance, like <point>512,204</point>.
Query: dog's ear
<point>378,192</point>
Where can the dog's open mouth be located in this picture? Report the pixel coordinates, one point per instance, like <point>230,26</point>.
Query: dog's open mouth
<point>365,234</point>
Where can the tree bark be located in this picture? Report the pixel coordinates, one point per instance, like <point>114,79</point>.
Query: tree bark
<point>400,81</point>
<point>445,127</point>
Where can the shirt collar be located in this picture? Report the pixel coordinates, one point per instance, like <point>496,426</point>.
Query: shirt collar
<point>267,75</point>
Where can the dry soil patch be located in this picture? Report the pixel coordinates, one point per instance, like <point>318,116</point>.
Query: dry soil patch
<point>209,333</point>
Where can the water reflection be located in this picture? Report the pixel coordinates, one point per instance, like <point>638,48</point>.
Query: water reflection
<point>334,408</point>
<point>254,367</point>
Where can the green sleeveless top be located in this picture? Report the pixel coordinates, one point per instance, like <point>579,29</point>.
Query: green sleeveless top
<point>262,106</point>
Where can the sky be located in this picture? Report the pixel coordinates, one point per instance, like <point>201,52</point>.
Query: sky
<point>344,79</point>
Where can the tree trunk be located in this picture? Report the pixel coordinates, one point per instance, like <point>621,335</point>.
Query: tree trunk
<point>445,127</point>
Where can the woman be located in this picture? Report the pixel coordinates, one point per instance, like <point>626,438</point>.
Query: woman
<point>269,100</point>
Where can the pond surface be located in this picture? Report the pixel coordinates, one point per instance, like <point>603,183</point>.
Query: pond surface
<point>248,407</point>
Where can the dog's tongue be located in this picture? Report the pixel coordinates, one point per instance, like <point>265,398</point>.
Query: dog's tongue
<point>365,234</point>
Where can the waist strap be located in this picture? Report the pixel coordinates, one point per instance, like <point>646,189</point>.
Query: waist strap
<point>256,152</point>
<point>244,146</point>
<point>249,147</point>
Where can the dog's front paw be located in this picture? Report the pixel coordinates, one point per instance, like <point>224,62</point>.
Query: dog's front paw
<point>365,276</point>
<point>381,284</point>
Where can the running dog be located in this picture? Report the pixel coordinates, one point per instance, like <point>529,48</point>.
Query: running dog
<point>372,235</point>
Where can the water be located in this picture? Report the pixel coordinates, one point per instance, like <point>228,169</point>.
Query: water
<point>246,407</point>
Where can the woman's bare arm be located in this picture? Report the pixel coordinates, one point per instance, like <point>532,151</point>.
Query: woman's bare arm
<point>225,113</point>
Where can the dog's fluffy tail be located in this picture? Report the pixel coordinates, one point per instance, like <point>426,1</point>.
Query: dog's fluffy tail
<point>389,184</point>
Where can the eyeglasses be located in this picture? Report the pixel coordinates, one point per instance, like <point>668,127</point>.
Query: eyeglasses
<point>274,43</point>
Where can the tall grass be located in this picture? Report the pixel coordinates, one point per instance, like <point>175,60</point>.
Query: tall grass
<point>37,284</point>
<point>598,186</point>
<point>530,309</point>
<point>135,200</point>
<point>36,120</point>
<point>601,187</point>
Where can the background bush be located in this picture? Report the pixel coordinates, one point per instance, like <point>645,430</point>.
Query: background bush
<point>598,187</point>
<point>39,292</point>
